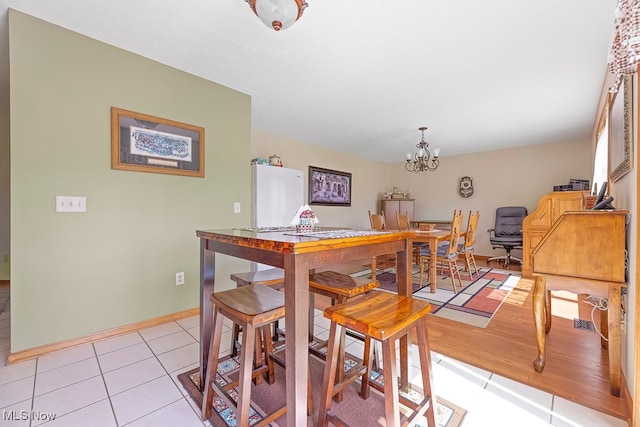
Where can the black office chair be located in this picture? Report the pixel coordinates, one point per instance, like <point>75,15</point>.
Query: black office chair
<point>507,232</point>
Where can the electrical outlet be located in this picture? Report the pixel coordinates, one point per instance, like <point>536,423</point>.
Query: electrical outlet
<point>236,207</point>
<point>180,278</point>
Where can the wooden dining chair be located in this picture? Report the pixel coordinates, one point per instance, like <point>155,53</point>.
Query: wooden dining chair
<point>446,253</point>
<point>377,223</point>
<point>404,223</point>
<point>467,247</point>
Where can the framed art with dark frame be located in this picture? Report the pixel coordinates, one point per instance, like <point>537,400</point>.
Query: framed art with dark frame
<point>144,143</point>
<point>328,187</point>
<point>621,130</point>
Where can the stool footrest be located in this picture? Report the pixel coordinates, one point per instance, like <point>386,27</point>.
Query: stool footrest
<point>350,376</point>
<point>272,417</point>
<point>335,420</point>
<point>254,374</point>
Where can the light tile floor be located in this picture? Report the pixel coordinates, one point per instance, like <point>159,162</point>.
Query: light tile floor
<point>131,380</point>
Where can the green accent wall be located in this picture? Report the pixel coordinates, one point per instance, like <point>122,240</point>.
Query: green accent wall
<point>115,264</point>
<point>5,225</point>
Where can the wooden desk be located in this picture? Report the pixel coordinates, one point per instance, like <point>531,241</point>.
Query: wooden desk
<point>296,255</point>
<point>583,252</point>
<point>610,320</point>
<point>433,238</point>
<point>537,223</point>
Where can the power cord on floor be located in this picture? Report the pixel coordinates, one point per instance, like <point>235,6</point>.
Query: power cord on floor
<point>601,304</point>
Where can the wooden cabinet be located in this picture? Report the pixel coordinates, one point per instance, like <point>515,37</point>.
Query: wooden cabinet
<point>392,206</point>
<point>537,223</point>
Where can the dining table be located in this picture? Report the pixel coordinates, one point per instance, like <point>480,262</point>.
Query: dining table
<point>298,254</point>
<point>443,224</point>
<point>433,238</point>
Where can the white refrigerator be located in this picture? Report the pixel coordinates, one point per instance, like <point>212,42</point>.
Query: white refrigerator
<point>277,195</point>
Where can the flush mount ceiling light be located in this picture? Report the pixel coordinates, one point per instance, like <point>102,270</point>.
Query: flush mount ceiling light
<point>419,162</point>
<point>278,14</point>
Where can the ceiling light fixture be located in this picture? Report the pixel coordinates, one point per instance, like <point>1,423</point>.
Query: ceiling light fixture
<point>625,50</point>
<point>419,162</point>
<point>278,14</point>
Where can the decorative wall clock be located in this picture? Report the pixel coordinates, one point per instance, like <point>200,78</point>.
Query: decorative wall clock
<point>466,186</point>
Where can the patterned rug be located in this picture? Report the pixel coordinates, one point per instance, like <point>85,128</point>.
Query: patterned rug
<point>475,304</point>
<point>266,398</point>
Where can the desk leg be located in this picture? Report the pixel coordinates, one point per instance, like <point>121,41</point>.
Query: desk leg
<point>547,312</point>
<point>539,319</point>
<point>614,339</point>
<point>207,278</point>
<point>296,285</point>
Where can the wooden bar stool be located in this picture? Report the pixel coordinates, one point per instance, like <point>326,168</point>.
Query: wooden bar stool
<point>272,277</point>
<point>252,307</point>
<point>385,317</point>
<point>340,288</point>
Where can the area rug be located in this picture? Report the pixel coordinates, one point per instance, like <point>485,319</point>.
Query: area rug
<point>474,304</point>
<point>477,302</point>
<point>266,398</point>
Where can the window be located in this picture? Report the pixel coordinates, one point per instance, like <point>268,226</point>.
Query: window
<point>601,161</point>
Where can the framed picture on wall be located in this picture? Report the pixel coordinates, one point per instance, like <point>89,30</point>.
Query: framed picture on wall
<point>328,187</point>
<point>621,130</point>
<point>144,143</point>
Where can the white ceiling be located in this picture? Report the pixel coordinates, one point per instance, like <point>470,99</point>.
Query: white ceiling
<point>362,76</point>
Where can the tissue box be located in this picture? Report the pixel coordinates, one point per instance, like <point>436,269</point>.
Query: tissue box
<point>304,228</point>
<point>306,221</point>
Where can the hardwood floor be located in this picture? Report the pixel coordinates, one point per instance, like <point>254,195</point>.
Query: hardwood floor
<point>576,369</point>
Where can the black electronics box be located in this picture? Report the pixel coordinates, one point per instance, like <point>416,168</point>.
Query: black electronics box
<point>573,185</point>
<point>579,184</point>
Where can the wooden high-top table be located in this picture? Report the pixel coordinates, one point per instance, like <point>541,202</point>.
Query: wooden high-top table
<point>297,255</point>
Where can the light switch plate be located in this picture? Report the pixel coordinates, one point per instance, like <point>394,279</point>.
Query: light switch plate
<point>71,204</point>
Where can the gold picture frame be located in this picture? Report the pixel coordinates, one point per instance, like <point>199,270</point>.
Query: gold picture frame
<point>621,130</point>
<point>145,143</point>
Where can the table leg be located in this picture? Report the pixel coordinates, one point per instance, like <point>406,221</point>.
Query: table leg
<point>614,339</point>
<point>433,270</point>
<point>207,278</point>
<point>539,319</point>
<point>296,285</point>
<point>405,286</point>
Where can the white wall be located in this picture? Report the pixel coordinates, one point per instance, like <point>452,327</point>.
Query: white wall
<point>516,176</point>
<point>510,177</point>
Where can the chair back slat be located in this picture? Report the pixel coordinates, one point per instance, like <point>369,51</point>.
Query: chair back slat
<point>403,221</point>
<point>472,226</point>
<point>456,225</point>
<point>377,221</point>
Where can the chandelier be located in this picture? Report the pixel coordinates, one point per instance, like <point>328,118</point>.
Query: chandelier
<point>422,160</point>
<point>278,14</point>
<point>625,50</point>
